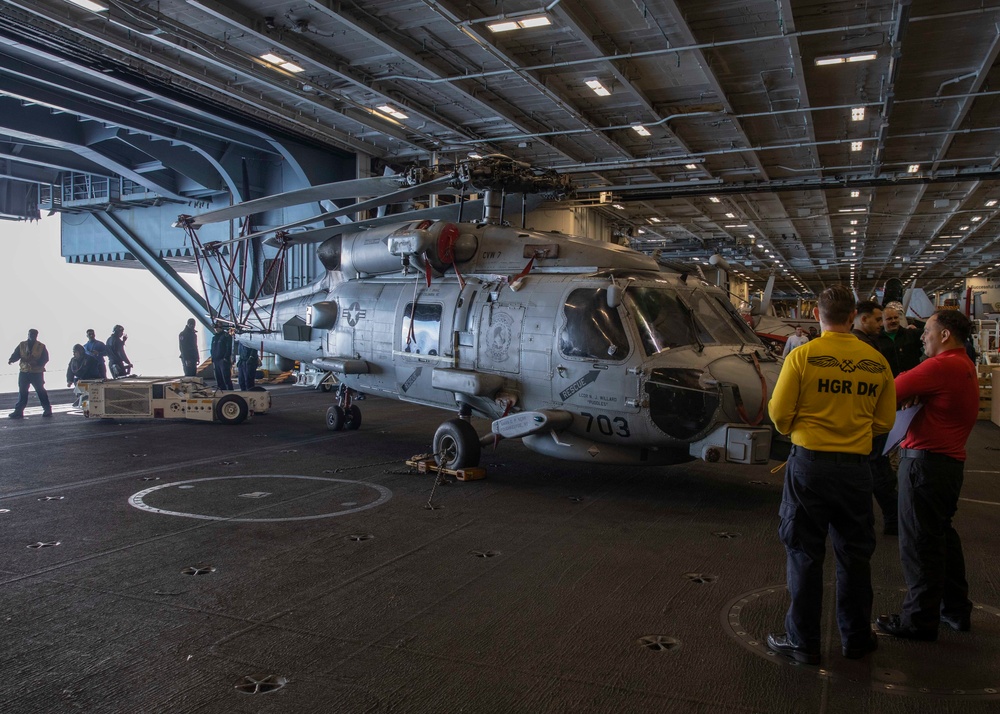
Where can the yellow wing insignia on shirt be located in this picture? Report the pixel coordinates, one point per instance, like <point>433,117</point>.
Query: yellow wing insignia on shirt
<point>847,365</point>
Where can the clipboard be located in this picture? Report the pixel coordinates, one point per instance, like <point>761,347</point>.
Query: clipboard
<point>898,432</point>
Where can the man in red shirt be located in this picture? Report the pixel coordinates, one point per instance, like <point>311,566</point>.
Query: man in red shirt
<point>932,461</point>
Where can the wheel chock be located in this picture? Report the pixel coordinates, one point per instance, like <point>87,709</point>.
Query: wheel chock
<point>425,464</point>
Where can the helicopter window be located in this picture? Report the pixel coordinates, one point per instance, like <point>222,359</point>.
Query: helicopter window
<point>726,327</point>
<point>739,323</point>
<point>663,321</point>
<point>423,338</point>
<point>593,330</point>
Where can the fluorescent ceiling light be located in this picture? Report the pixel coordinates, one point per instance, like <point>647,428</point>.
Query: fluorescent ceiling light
<point>991,203</point>
<point>857,113</point>
<point>855,194</point>
<point>508,25</point>
<point>654,219</point>
<point>976,219</point>
<point>912,168</point>
<point>854,221</point>
<point>690,167</point>
<point>713,199</point>
<point>392,111</point>
<point>850,210</point>
<point>599,89</point>
<point>730,215</point>
<point>963,228</point>
<point>90,5</point>
<point>640,130</point>
<point>619,206</point>
<point>856,145</point>
<point>273,59</point>
<point>841,59</point>
<point>291,67</point>
<point>536,21</point>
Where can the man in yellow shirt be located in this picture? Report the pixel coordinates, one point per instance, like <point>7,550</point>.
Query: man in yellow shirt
<point>832,396</point>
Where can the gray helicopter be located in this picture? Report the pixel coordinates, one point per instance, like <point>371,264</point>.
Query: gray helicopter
<point>583,349</point>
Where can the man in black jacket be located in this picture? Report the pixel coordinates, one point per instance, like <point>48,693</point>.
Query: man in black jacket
<point>222,357</point>
<point>188,342</point>
<point>901,346</point>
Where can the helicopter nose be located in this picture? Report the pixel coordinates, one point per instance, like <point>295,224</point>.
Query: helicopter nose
<point>749,383</point>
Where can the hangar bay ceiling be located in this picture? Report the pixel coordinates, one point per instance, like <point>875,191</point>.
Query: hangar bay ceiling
<point>825,140</point>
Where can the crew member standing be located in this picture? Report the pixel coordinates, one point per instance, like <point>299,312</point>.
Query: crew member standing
<point>33,357</point>
<point>931,469</point>
<point>98,350</point>
<point>900,345</point>
<point>832,395</point>
<point>797,340</point>
<point>867,328</point>
<point>246,368</point>
<point>188,341</point>
<point>117,359</point>
<point>222,358</point>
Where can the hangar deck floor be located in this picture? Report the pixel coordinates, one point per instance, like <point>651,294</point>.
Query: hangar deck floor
<point>547,587</point>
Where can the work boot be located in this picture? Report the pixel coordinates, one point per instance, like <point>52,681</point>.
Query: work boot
<point>47,413</point>
<point>15,415</point>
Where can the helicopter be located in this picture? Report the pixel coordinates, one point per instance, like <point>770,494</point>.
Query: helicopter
<point>583,349</point>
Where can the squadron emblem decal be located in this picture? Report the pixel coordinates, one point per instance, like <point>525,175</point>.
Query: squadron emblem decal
<point>848,365</point>
<point>498,338</point>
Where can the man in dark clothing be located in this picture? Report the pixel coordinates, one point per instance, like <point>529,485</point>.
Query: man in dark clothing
<point>117,359</point>
<point>868,323</point>
<point>97,349</point>
<point>899,345</point>
<point>82,366</point>
<point>931,470</point>
<point>188,341</point>
<point>33,357</point>
<point>867,328</point>
<point>222,358</point>
<point>247,367</point>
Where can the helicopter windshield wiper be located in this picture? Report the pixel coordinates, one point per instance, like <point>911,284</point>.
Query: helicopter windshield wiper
<point>694,325</point>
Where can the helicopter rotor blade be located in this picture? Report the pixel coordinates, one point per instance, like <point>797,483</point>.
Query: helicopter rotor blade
<point>394,197</point>
<point>373,186</point>
<point>440,213</point>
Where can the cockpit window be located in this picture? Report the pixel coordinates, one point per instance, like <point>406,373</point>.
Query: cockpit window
<point>593,330</point>
<point>663,321</point>
<point>667,318</point>
<point>724,328</point>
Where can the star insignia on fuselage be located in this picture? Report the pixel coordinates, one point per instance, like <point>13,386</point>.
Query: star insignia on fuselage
<point>848,365</point>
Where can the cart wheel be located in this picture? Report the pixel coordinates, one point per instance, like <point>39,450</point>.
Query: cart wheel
<point>353,418</point>
<point>232,409</point>
<point>456,445</point>
<point>325,387</point>
<point>335,418</point>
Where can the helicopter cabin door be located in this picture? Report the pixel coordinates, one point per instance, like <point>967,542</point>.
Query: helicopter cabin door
<point>591,356</point>
<point>423,341</point>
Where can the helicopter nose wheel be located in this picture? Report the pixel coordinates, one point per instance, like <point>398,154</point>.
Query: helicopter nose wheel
<point>456,445</point>
<point>338,418</point>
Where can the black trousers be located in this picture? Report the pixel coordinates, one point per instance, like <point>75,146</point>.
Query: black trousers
<point>246,373</point>
<point>190,367</point>
<point>929,547</point>
<point>223,374</point>
<point>35,380</point>
<point>822,495</point>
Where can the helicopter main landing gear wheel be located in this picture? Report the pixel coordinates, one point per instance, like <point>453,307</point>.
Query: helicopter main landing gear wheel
<point>338,418</point>
<point>456,445</point>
